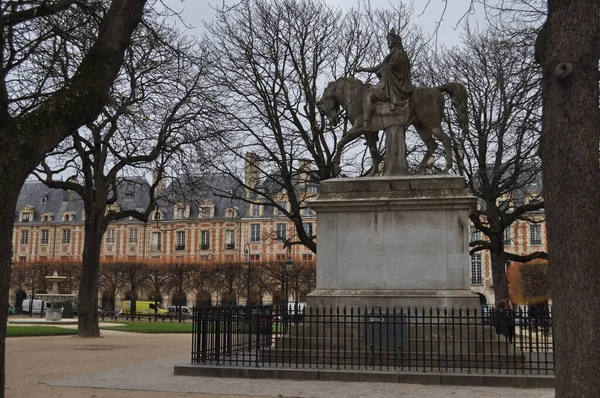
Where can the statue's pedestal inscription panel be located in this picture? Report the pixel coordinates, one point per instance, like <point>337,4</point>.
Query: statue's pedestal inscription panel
<point>393,241</point>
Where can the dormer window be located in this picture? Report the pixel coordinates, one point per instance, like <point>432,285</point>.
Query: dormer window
<point>113,208</point>
<point>129,195</point>
<point>157,215</point>
<point>231,212</point>
<point>255,210</point>
<point>182,211</point>
<point>69,216</point>
<point>47,217</point>
<point>44,198</point>
<point>206,209</point>
<point>26,214</point>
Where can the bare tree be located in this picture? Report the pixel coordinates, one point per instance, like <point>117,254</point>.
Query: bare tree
<point>275,58</point>
<point>153,113</point>
<point>37,111</point>
<point>499,152</point>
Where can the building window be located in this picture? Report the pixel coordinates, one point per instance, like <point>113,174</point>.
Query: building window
<point>308,228</point>
<point>281,229</point>
<point>312,189</point>
<point>476,270</point>
<point>255,257</point>
<point>283,205</point>
<point>110,236</point>
<point>475,234</point>
<point>506,237</point>
<point>535,234</point>
<point>205,212</point>
<point>157,215</point>
<point>281,257</point>
<point>24,237</point>
<point>307,257</point>
<point>180,212</point>
<point>229,239</point>
<point>26,216</point>
<point>308,212</point>
<point>156,244</point>
<point>180,240</point>
<point>133,236</point>
<point>44,198</point>
<point>66,236</point>
<point>230,213</point>
<point>254,232</point>
<point>255,210</point>
<point>44,236</point>
<point>129,195</point>
<point>204,240</point>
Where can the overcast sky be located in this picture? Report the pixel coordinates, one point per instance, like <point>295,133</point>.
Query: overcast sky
<point>197,11</point>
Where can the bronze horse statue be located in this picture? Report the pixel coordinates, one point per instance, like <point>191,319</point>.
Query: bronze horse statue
<point>425,112</point>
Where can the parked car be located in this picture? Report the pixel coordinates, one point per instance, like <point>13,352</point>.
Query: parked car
<point>186,313</point>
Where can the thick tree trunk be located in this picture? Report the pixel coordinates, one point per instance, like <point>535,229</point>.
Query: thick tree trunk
<point>570,157</point>
<point>8,200</point>
<point>87,324</point>
<point>498,259</point>
<point>10,186</point>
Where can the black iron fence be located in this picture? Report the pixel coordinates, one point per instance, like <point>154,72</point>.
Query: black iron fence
<point>415,339</point>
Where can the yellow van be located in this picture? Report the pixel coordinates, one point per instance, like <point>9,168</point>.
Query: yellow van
<point>143,307</point>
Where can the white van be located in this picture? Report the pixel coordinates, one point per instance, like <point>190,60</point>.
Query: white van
<point>36,308</point>
<point>186,313</point>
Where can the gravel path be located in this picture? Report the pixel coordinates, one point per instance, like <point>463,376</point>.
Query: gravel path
<point>121,364</point>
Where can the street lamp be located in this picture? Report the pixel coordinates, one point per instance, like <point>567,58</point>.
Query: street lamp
<point>289,264</point>
<point>247,262</point>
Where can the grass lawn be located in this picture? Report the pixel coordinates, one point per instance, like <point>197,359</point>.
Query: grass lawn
<point>149,327</point>
<point>23,331</point>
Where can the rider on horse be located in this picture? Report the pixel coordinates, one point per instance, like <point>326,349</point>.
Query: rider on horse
<point>394,85</point>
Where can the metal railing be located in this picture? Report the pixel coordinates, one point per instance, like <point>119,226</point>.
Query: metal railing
<point>394,339</point>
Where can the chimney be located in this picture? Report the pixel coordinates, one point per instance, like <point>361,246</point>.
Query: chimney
<point>252,171</point>
<point>160,187</point>
<point>304,171</point>
<point>71,194</point>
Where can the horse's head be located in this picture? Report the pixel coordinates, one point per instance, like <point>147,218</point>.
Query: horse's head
<point>329,108</point>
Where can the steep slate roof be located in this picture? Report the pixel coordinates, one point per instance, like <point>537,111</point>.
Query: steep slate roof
<point>133,194</point>
<point>57,201</point>
<point>193,190</point>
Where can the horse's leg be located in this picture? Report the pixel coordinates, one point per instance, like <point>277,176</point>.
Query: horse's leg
<point>350,136</point>
<point>430,143</point>
<point>375,156</point>
<point>445,140</point>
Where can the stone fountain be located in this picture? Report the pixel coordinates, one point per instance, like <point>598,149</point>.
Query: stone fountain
<point>54,299</point>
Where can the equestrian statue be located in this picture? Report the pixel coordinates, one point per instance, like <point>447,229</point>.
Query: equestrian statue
<point>392,105</point>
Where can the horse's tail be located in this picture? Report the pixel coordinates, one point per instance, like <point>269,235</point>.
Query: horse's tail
<point>458,94</point>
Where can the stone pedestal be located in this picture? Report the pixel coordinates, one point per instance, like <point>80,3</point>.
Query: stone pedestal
<point>393,241</point>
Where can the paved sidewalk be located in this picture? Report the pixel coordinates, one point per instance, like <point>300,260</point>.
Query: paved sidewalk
<point>157,376</point>
<point>129,365</point>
